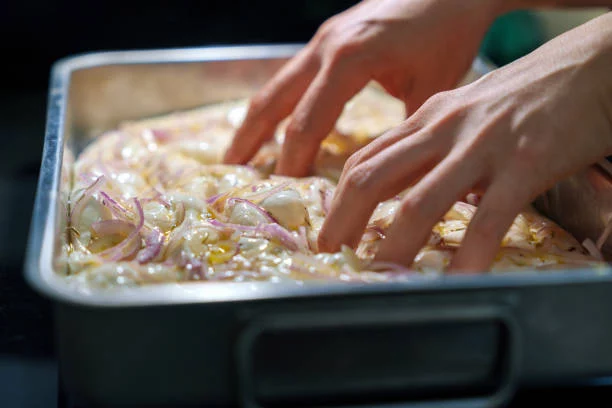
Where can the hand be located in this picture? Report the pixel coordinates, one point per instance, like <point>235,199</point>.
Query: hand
<point>510,136</point>
<point>413,48</point>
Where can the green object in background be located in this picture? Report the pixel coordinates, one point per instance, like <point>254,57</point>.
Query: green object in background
<point>512,36</point>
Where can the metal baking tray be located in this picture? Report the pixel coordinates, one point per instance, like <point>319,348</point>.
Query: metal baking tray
<point>456,340</point>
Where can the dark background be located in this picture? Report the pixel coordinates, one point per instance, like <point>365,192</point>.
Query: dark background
<point>34,34</point>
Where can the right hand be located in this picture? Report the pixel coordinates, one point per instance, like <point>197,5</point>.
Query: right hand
<point>413,48</point>
<point>509,136</point>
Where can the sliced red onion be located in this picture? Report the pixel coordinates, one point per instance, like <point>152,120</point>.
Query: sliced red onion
<point>282,235</point>
<point>88,177</point>
<point>274,231</point>
<point>111,227</point>
<point>161,136</point>
<point>233,201</point>
<point>194,266</point>
<point>212,199</point>
<point>131,243</point>
<point>265,193</point>
<point>177,237</point>
<point>159,200</point>
<point>80,204</point>
<point>157,197</point>
<point>113,205</point>
<point>153,245</point>
<point>128,251</point>
<point>227,227</point>
<point>303,240</point>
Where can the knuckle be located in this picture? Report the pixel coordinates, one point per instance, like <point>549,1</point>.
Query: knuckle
<point>299,129</point>
<point>324,31</point>
<point>360,179</point>
<point>414,206</point>
<point>351,162</point>
<point>343,52</point>
<point>431,106</point>
<point>456,110</point>
<point>258,104</point>
<point>439,98</point>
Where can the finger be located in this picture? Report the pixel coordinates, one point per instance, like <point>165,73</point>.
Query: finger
<point>419,121</point>
<point>315,116</point>
<point>271,105</point>
<point>379,144</point>
<point>377,179</point>
<point>425,204</point>
<point>496,213</point>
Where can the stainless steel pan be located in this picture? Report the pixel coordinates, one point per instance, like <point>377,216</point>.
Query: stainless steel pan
<point>449,341</point>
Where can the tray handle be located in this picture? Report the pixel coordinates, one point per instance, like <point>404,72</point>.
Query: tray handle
<point>428,357</point>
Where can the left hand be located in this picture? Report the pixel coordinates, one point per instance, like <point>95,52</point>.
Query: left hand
<point>510,135</point>
<point>398,43</point>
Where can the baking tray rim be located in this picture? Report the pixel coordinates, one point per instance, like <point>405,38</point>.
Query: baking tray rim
<point>39,253</point>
